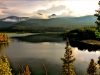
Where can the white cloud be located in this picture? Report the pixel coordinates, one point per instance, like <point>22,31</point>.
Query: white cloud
<point>10,20</point>
<point>53,9</point>
<point>82,7</point>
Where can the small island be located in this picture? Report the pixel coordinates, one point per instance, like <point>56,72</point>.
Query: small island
<point>4,38</point>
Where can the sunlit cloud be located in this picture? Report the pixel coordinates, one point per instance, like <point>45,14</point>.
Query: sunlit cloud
<point>53,9</point>
<point>75,51</point>
<point>97,52</point>
<point>81,59</point>
<point>39,16</point>
<point>61,8</point>
<point>45,43</point>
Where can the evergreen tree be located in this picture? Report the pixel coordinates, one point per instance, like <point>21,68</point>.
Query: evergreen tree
<point>98,16</point>
<point>4,66</point>
<point>92,69</point>
<point>68,60</point>
<point>25,71</point>
<point>97,32</point>
<point>99,61</point>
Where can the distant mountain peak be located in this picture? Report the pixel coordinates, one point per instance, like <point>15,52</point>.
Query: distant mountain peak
<point>12,16</point>
<point>14,19</point>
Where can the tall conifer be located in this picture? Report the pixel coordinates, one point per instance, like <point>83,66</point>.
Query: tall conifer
<point>68,60</point>
<point>92,69</point>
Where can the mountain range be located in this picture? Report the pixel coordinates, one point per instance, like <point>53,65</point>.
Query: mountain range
<point>11,20</point>
<point>31,23</point>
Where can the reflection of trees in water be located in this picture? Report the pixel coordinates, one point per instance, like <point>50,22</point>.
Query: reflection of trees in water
<point>3,45</point>
<point>84,46</point>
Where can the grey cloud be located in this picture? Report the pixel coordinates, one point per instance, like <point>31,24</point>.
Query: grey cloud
<point>68,13</point>
<point>52,16</point>
<point>3,6</point>
<point>52,9</point>
<point>16,13</point>
<point>25,8</point>
<point>39,13</point>
<point>57,8</point>
<point>10,12</point>
<point>3,16</point>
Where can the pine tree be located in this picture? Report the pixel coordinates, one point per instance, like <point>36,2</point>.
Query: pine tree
<point>98,17</point>
<point>4,66</point>
<point>92,69</point>
<point>99,61</point>
<point>97,32</point>
<point>68,60</point>
<point>98,26</point>
<point>25,71</point>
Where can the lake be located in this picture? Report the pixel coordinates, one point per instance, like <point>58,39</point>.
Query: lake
<point>32,54</point>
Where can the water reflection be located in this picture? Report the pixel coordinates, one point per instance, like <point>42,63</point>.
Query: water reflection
<point>85,46</point>
<point>32,54</point>
<point>25,53</point>
<point>3,46</point>
<point>32,38</point>
<point>83,58</point>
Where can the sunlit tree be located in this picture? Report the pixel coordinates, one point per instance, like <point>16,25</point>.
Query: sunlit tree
<point>4,66</point>
<point>4,38</point>
<point>92,69</point>
<point>25,71</point>
<point>68,60</point>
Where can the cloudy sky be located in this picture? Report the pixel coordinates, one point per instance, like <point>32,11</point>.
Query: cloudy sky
<point>45,8</point>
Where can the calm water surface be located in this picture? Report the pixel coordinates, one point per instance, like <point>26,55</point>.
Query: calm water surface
<point>31,54</point>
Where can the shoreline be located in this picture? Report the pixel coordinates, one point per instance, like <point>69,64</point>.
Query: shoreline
<point>86,44</point>
<point>5,41</point>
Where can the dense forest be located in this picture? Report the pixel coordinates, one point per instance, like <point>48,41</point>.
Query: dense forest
<point>81,33</point>
<point>36,29</point>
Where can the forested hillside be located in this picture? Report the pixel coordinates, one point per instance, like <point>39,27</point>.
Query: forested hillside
<point>51,25</point>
